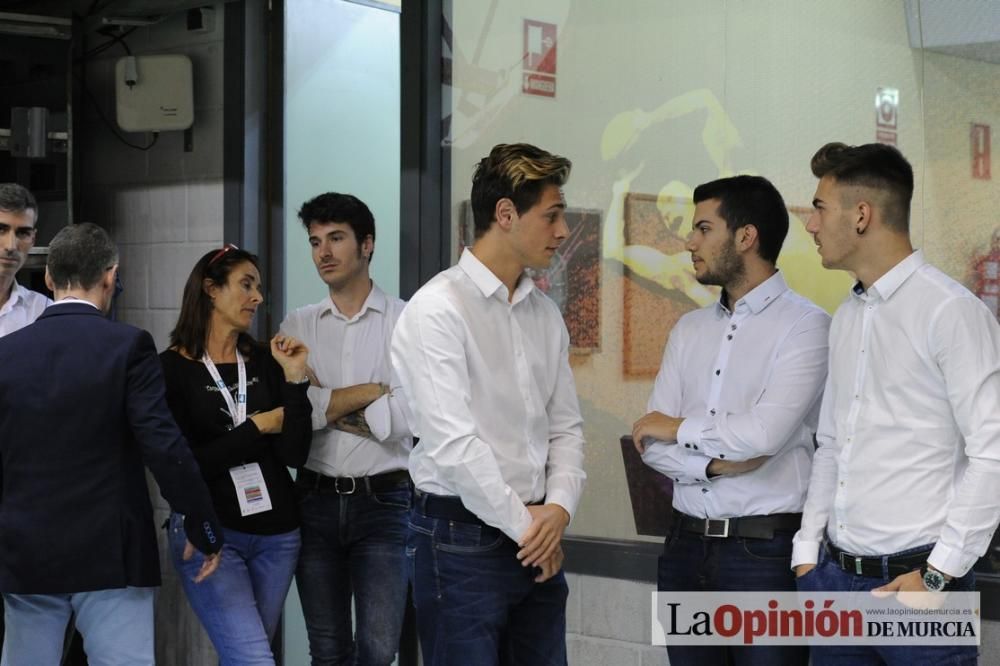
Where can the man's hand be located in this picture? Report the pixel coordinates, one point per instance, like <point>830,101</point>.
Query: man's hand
<point>269,422</point>
<point>541,540</point>
<point>208,567</point>
<point>656,426</point>
<point>551,566</point>
<point>729,467</point>
<point>910,591</point>
<point>291,354</point>
<point>803,569</point>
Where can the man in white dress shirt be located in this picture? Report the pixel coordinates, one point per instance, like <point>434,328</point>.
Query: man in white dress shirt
<point>354,490</point>
<point>18,217</point>
<point>733,412</point>
<point>903,494</point>
<point>483,358</point>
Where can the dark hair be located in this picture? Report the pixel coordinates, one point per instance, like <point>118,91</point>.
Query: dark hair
<point>515,171</point>
<point>196,306</point>
<point>16,198</point>
<point>343,209</point>
<point>875,166</point>
<point>79,255</point>
<point>752,200</point>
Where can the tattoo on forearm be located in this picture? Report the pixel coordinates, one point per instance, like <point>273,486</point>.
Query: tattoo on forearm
<point>354,423</point>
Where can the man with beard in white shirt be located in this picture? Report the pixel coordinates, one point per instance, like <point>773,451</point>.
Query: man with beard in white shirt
<point>483,357</point>
<point>903,493</point>
<point>354,491</point>
<point>733,412</point>
<point>18,219</point>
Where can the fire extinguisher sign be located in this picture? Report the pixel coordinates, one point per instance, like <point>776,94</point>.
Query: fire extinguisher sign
<point>539,75</point>
<point>979,138</point>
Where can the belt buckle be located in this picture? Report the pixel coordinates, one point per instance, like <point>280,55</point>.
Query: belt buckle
<point>722,524</point>
<point>845,563</point>
<point>354,486</point>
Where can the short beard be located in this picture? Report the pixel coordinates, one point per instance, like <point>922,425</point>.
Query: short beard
<point>729,268</point>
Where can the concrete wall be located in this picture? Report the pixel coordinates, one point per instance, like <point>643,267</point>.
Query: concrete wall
<point>164,209</point>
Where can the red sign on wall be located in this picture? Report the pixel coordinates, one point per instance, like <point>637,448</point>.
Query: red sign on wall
<point>979,138</point>
<point>886,115</point>
<point>539,76</point>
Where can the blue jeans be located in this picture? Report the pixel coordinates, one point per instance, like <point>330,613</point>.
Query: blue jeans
<point>240,604</point>
<point>476,605</point>
<point>117,627</point>
<point>691,562</point>
<point>829,577</point>
<point>353,546</point>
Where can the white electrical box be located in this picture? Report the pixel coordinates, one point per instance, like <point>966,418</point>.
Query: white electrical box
<point>154,93</point>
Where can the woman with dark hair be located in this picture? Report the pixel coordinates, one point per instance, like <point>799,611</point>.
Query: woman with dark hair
<point>244,410</point>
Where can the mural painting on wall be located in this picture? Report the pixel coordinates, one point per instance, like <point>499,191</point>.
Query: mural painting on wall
<point>573,280</point>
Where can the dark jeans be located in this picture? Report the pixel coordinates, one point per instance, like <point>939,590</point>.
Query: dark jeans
<point>692,563</point>
<point>476,605</point>
<point>829,577</point>
<point>353,545</point>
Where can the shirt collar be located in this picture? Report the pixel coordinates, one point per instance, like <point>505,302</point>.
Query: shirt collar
<point>16,294</point>
<point>487,281</point>
<point>761,296</point>
<point>376,301</point>
<point>888,284</point>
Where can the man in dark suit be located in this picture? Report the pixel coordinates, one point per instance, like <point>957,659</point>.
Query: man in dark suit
<point>82,408</point>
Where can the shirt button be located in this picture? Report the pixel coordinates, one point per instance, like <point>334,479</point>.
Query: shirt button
<point>704,490</point>
<point>729,337</point>
<point>718,371</point>
<point>687,446</point>
<point>721,456</point>
<point>712,412</point>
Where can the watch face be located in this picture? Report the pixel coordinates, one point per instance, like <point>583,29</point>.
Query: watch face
<point>933,580</point>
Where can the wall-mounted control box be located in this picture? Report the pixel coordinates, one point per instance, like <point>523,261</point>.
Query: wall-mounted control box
<point>154,93</point>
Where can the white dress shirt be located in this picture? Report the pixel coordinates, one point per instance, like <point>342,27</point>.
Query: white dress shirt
<point>747,384</point>
<point>491,395</point>
<point>22,308</point>
<point>909,434</point>
<point>345,352</point>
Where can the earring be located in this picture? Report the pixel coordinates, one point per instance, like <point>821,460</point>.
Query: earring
<point>860,231</point>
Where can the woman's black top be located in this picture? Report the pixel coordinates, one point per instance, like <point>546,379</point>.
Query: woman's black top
<point>203,417</point>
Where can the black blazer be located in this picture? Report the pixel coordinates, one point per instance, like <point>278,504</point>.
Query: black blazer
<point>82,407</point>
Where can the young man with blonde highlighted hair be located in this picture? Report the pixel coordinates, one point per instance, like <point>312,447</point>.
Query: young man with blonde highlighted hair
<point>483,358</point>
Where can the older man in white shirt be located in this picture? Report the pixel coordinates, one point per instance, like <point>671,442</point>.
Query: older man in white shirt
<point>354,490</point>
<point>733,412</point>
<point>18,217</point>
<point>903,495</point>
<point>483,357</point>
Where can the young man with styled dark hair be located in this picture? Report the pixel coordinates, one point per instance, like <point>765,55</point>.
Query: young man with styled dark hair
<point>354,491</point>
<point>483,357</point>
<point>733,412</point>
<point>903,493</point>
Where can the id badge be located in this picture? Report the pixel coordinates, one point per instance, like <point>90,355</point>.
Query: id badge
<point>251,491</point>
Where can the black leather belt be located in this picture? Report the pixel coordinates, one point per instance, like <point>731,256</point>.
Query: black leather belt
<point>871,566</point>
<point>350,485</point>
<point>447,507</point>
<point>748,527</point>
<point>443,506</point>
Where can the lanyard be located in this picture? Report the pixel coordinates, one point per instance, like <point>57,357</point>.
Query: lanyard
<point>238,409</point>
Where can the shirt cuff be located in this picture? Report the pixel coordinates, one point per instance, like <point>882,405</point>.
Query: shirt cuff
<point>950,560</point>
<point>689,433</point>
<point>696,467</point>
<point>319,397</point>
<point>563,499</point>
<point>379,419</point>
<point>805,552</point>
